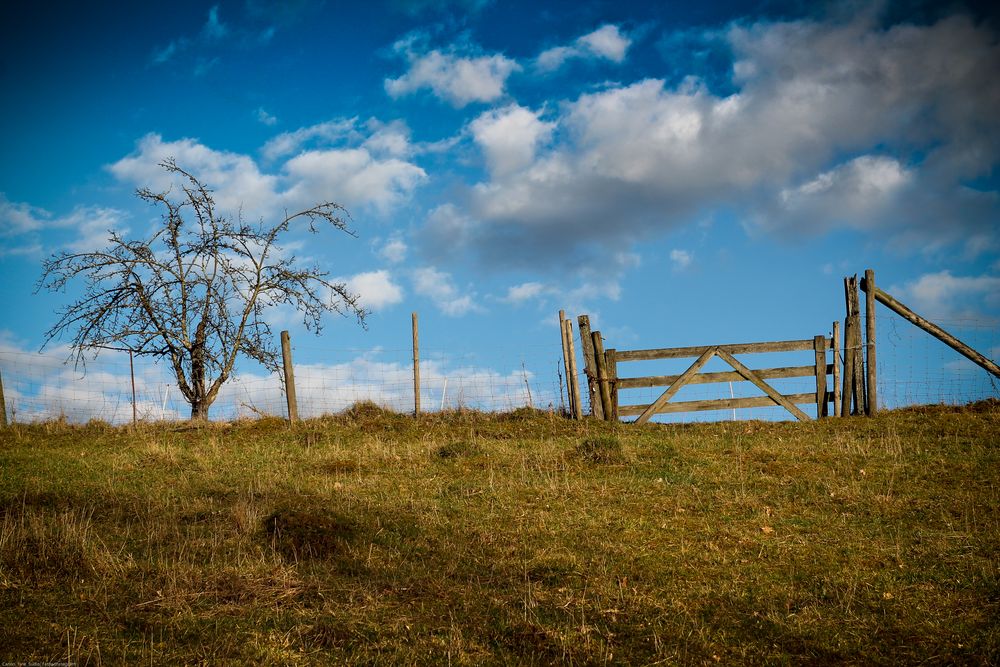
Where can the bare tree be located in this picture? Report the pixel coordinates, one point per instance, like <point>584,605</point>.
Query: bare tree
<point>195,292</point>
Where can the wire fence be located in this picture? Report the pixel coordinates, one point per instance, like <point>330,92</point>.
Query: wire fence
<point>912,368</point>
<point>44,386</point>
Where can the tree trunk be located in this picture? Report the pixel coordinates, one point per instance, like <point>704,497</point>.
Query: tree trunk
<point>199,410</point>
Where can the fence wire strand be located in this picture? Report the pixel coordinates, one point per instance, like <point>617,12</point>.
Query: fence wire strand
<point>912,368</point>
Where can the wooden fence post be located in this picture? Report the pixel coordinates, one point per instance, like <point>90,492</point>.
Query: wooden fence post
<point>3,406</point>
<point>819,347</point>
<point>131,372</point>
<point>849,323</point>
<point>602,374</point>
<point>589,366</point>
<point>854,401</point>
<point>836,368</point>
<point>612,363</point>
<point>286,360</point>
<point>562,338</point>
<point>868,285</point>
<point>416,367</point>
<point>574,381</point>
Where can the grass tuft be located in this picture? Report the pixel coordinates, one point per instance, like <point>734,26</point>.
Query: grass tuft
<point>601,450</point>
<point>301,534</point>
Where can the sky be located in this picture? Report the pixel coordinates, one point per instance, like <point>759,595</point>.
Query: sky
<point>684,173</point>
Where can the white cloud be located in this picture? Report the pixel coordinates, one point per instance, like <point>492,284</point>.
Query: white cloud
<point>265,118</point>
<point>89,223</point>
<point>439,287</point>
<point>831,124</point>
<point>457,79</point>
<point>856,194</point>
<point>607,42</point>
<point>376,289</point>
<point>214,28</point>
<point>235,178</point>
<point>394,250</point>
<point>681,259</point>
<point>945,296</point>
<point>19,217</point>
<point>353,177</point>
<point>509,137</point>
<point>328,132</point>
<point>524,292</point>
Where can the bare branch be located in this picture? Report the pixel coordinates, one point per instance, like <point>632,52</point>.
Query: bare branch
<point>196,291</point>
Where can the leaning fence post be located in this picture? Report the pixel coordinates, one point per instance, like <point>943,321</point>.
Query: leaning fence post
<point>602,374</point>
<point>286,360</point>
<point>131,372</point>
<point>868,285</point>
<point>589,366</point>
<point>819,347</point>
<point>836,368</point>
<point>3,406</point>
<point>416,368</point>
<point>849,324</point>
<point>565,358</point>
<point>574,381</point>
<point>612,363</point>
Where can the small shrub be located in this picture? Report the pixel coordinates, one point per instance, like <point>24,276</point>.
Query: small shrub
<point>299,534</point>
<point>458,450</point>
<point>603,449</point>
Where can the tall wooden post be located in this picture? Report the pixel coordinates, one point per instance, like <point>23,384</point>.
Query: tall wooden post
<point>868,285</point>
<point>590,366</point>
<point>416,367</point>
<point>131,372</point>
<point>836,368</point>
<point>286,360</point>
<point>574,380</point>
<point>3,406</point>
<point>565,353</point>
<point>602,374</point>
<point>612,363</point>
<point>819,347</point>
<point>853,398</point>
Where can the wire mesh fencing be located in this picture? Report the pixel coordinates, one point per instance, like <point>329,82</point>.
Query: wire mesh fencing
<point>112,388</point>
<point>913,368</point>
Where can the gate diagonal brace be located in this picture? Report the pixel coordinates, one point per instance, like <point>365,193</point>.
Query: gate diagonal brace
<point>763,386</point>
<point>676,386</point>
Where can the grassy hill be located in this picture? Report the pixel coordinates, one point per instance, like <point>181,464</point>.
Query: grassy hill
<point>515,539</point>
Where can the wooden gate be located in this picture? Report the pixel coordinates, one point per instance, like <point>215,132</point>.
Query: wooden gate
<point>605,379</point>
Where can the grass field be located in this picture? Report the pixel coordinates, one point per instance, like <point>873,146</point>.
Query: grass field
<point>504,539</point>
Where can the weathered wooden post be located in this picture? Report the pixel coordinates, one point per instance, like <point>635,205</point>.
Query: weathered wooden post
<point>3,406</point>
<point>819,347</point>
<point>131,372</point>
<point>574,381</point>
<point>835,343</point>
<point>854,381</point>
<point>590,366</point>
<point>612,364</point>
<point>286,360</point>
<point>565,354</point>
<point>602,374</point>
<point>416,367</point>
<point>868,285</point>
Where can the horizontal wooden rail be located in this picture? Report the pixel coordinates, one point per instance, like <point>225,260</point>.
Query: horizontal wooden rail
<point>720,404</point>
<point>725,376</point>
<point>739,348</point>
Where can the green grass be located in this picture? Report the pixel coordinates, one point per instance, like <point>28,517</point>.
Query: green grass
<point>466,538</point>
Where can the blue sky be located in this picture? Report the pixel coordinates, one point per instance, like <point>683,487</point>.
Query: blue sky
<point>685,174</point>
